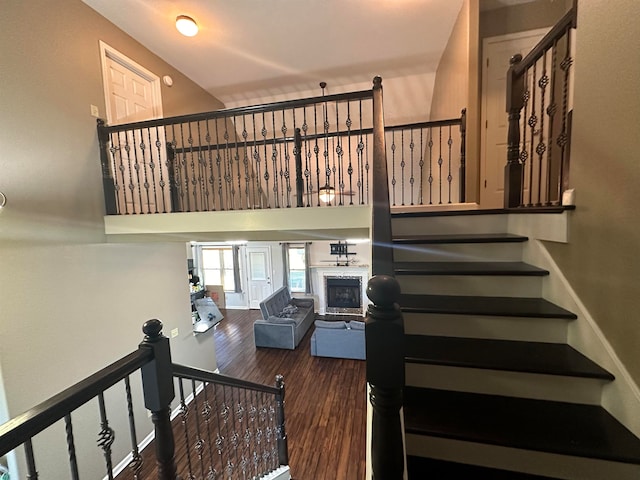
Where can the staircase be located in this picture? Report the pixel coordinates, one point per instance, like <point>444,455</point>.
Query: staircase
<point>493,390</point>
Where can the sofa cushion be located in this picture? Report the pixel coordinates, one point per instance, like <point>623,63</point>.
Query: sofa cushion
<point>282,320</point>
<point>332,325</point>
<point>355,325</point>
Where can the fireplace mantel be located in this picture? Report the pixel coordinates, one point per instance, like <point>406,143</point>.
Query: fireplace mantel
<point>318,272</point>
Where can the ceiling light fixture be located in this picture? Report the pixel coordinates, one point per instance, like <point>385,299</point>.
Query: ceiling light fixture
<point>187,26</point>
<point>3,200</point>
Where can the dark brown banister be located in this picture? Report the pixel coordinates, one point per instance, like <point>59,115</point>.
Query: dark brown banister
<point>384,329</point>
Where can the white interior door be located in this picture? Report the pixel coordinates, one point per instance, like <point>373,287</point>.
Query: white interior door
<point>496,54</point>
<point>259,273</point>
<point>132,94</point>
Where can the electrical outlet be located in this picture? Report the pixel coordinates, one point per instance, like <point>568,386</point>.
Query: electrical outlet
<point>94,111</point>
<point>174,333</point>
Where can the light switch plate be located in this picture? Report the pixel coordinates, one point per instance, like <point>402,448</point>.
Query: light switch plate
<point>174,333</point>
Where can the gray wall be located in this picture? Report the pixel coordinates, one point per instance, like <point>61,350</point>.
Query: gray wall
<point>70,303</point>
<point>601,260</point>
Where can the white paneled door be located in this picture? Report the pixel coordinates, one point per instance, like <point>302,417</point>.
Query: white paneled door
<point>132,94</point>
<point>496,54</point>
<point>259,272</point>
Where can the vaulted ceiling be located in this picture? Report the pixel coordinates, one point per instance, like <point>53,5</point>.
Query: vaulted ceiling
<point>250,49</point>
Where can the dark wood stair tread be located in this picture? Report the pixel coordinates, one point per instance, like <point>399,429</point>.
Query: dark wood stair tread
<point>506,355</point>
<point>459,238</point>
<point>479,305</point>
<point>468,268</point>
<point>419,468</point>
<point>539,425</point>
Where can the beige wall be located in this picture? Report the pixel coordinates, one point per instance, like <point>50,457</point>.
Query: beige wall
<point>601,260</point>
<point>70,303</point>
<point>456,85</point>
<point>519,18</point>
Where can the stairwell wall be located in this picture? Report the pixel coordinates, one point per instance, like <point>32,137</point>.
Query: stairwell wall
<point>600,260</point>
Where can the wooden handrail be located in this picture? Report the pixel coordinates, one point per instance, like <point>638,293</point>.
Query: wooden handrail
<point>190,373</point>
<point>230,112</point>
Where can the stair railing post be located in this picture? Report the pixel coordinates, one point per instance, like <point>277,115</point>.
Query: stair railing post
<point>157,384</point>
<point>174,192</point>
<point>298,155</point>
<point>463,155</point>
<point>513,171</point>
<point>384,331</point>
<point>283,449</point>
<point>108,183</point>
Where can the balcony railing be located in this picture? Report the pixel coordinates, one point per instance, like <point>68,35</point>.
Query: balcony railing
<point>539,108</point>
<point>312,152</point>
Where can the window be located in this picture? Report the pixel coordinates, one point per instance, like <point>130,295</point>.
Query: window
<point>297,268</point>
<point>218,267</point>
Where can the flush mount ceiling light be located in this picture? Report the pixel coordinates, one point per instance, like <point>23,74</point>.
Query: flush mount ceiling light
<point>187,26</point>
<point>3,200</point>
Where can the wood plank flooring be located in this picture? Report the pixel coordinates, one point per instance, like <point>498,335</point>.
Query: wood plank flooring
<point>325,401</point>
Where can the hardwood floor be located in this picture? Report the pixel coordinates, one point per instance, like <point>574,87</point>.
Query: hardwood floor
<point>325,400</point>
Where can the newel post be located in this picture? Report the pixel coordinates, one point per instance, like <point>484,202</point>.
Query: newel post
<point>157,384</point>
<point>384,333</point>
<point>513,172</point>
<point>283,449</point>
<point>463,155</point>
<point>298,155</point>
<point>108,183</point>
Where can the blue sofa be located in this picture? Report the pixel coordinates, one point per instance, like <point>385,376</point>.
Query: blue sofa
<point>285,320</point>
<point>338,339</point>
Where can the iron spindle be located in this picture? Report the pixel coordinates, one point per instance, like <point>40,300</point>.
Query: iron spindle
<point>264,132</point>
<point>307,158</point>
<point>533,121</point>
<point>199,444</point>
<point>449,176</point>
<point>411,178</point>
<point>32,473</point>
<point>524,154</point>
<point>202,172</point>
<point>402,167</point>
<point>245,161</point>
<point>120,189</point>
<point>421,189</point>
<point>184,418</point>
<point>106,436</point>
<point>238,167</point>
<point>256,157</point>
<point>274,159</point>
<point>152,167</point>
<point>228,166</point>
<point>136,458</point>
<point>430,179</point>
<point>71,447</point>
<point>219,167</point>
<point>541,146</point>
<point>127,150</point>
<point>184,182</point>
<point>194,162</point>
<point>551,111</point>
<point>563,139</point>
<point>393,167</point>
<point>143,149</point>
<point>136,166</point>
<point>316,148</point>
<point>463,156</point>
<point>360,151</point>
<point>285,177</point>
<point>350,166</point>
<point>211,194</point>
<point>161,183</point>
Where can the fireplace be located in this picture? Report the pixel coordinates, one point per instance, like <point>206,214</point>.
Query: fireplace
<point>343,295</point>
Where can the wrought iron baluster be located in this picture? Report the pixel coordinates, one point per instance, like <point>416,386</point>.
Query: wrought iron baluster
<point>307,157</point>
<point>348,123</point>
<point>402,167</point>
<point>71,447</point>
<point>219,167</point>
<point>563,139</point>
<point>211,195</point>
<point>285,172</point>
<point>32,473</point>
<point>325,119</point>
<point>440,162</point>
<point>316,148</point>
<point>116,153</point>
<point>256,158</point>
<point>184,419</point>
<point>449,176</point>
<point>194,164</point>
<point>152,168</point>
<point>245,162</point>
<point>136,166</point>
<point>340,154</point>
<point>206,414</point>
<point>393,168</point>
<point>106,436</point>
<point>524,154</point>
<point>136,458</point>
<point>162,183</point>
<point>236,158</point>
<point>360,151</point>
<point>541,147</point>
<point>199,444</point>
<point>143,154</point>
<point>367,166</point>
<point>274,159</point>
<point>430,179</point>
<point>202,172</point>
<point>228,169</point>
<point>533,121</point>
<point>184,167</point>
<point>421,190</point>
<point>264,132</point>
<point>220,439</point>
<point>551,112</point>
<point>411,177</point>
<point>127,149</point>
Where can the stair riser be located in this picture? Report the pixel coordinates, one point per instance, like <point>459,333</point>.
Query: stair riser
<point>513,384</point>
<point>537,463</point>
<point>462,252</point>
<point>475,326</point>
<point>497,286</point>
<point>455,224</point>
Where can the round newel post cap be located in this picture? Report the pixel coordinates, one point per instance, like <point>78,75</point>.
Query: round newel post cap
<point>377,81</point>
<point>152,328</point>
<point>383,290</point>
<point>517,58</point>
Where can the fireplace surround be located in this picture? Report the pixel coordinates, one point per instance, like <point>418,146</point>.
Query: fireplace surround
<point>343,294</point>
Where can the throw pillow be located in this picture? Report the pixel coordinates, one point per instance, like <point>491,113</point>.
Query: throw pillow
<point>333,325</point>
<point>356,325</point>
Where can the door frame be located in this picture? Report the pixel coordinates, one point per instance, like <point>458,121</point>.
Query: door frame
<point>483,106</point>
<point>108,52</point>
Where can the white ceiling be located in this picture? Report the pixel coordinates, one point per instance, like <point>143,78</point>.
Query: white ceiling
<point>249,49</point>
